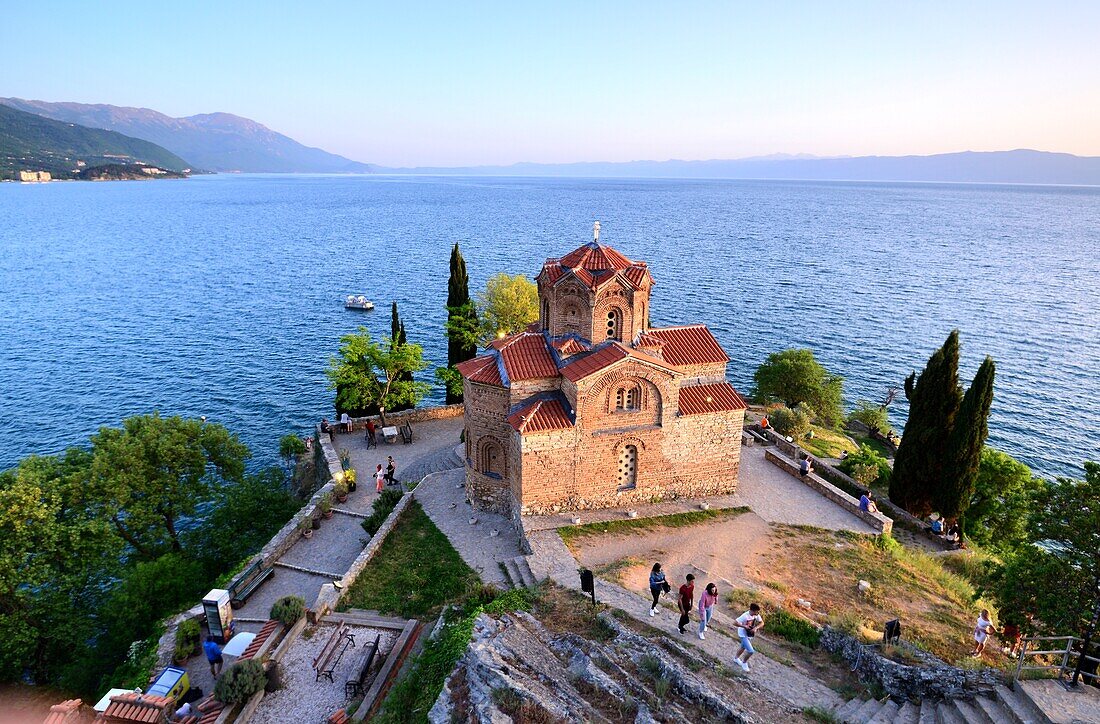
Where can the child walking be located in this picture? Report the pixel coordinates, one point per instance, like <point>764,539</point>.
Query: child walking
<point>748,624</point>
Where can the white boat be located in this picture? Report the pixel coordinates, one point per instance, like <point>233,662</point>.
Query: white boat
<point>354,301</point>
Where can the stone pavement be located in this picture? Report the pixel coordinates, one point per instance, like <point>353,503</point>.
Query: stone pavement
<point>771,493</point>
<point>443,497</point>
<point>551,559</point>
<point>429,439</point>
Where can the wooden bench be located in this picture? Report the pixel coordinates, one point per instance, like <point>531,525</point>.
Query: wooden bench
<point>340,717</point>
<point>329,658</point>
<point>406,433</point>
<point>354,686</point>
<point>247,583</point>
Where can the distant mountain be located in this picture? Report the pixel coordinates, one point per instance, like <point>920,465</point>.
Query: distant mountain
<point>212,141</point>
<point>32,143</point>
<point>1020,166</point>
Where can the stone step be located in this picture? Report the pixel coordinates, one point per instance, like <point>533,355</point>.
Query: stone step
<point>847,709</point>
<point>948,713</point>
<point>971,712</point>
<point>513,574</point>
<point>909,713</point>
<point>527,577</point>
<point>997,712</point>
<point>1020,705</point>
<point>864,713</point>
<point>886,714</point>
<point>927,712</point>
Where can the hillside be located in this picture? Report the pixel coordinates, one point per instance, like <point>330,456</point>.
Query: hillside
<point>213,141</point>
<point>31,142</point>
<point>1020,166</point>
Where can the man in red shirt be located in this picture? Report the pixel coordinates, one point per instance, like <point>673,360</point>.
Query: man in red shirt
<point>685,602</point>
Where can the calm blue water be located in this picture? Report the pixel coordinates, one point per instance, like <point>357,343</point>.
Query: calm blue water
<point>222,295</point>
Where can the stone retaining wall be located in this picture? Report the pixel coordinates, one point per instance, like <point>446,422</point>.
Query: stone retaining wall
<point>851,486</point>
<point>329,596</point>
<point>932,678</point>
<point>876,520</point>
<point>413,416</point>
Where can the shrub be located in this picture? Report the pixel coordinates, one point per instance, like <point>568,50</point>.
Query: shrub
<point>793,628</point>
<point>288,609</point>
<point>383,506</point>
<point>865,473</point>
<point>340,489</point>
<point>872,415</point>
<point>188,634</point>
<point>290,447</point>
<point>325,503</point>
<point>866,457</point>
<point>240,681</point>
<point>793,423</point>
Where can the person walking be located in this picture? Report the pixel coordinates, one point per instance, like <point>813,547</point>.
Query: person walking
<point>213,655</point>
<point>391,467</point>
<point>685,601</point>
<point>379,479</point>
<point>657,586</point>
<point>748,624</point>
<point>706,608</point>
<point>372,441</point>
<point>982,631</point>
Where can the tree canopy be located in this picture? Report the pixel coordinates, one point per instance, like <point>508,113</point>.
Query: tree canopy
<point>871,414</point>
<point>794,377</point>
<point>508,305</point>
<point>1003,493</point>
<point>462,327</point>
<point>369,373</point>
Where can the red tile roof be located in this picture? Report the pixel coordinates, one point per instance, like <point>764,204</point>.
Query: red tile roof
<point>540,415</point>
<point>570,346</point>
<point>604,357</point>
<point>691,344</point>
<point>646,340</point>
<point>595,257</point>
<point>265,633</point>
<point>67,712</point>
<point>134,707</point>
<point>481,369</point>
<point>526,357</point>
<point>703,399</point>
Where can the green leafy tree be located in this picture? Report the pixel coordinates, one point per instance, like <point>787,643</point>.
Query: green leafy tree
<point>1003,493</point>
<point>794,377</point>
<point>956,487</point>
<point>290,447</point>
<point>934,399</point>
<point>508,305</point>
<point>370,373</point>
<point>794,423</point>
<point>461,325</point>
<point>155,469</point>
<point>1059,580</point>
<point>871,414</point>
<point>867,459</point>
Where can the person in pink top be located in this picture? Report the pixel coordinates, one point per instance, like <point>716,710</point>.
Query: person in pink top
<point>706,607</point>
<point>379,479</point>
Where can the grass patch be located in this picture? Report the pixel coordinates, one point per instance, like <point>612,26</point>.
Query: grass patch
<point>630,525</point>
<point>414,574</point>
<point>383,505</point>
<point>796,629</point>
<point>827,443</point>
<point>817,713</point>
<point>872,443</point>
<point>412,697</point>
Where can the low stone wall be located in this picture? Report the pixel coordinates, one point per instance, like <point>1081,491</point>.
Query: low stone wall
<point>851,486</point>
<point>413,416</point>
<point>329,595</point>
<point>876,520</point>
<point>932,678</point>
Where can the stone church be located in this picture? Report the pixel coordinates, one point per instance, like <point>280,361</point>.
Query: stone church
<point>591,407</point>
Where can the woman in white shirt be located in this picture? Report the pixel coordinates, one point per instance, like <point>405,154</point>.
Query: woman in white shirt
<point>748,624</point>
<point>982,631</point>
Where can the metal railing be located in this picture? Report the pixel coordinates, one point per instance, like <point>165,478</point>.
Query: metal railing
<point>1066,658</point>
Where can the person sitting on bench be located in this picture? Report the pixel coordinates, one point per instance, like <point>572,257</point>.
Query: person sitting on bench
<point>867,503</point>
<point>805,467</point>
<point>937,527</point>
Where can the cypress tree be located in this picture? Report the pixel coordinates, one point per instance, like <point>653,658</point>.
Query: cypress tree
<point>398,338</point>
<point>459,307</point>
<point>934,399</point>
<point>965,448</point>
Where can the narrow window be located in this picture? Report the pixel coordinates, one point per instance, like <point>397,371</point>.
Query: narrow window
<point>614,324</point>
<point>628,467</point>
<point>632,401</point>
<point>492,459</point>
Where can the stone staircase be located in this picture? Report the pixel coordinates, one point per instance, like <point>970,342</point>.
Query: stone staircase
<point>435,461</point>
<point>1004,706</point>
<point>518,572</point>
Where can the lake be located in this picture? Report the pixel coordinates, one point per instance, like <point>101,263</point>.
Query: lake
<point>223,295</point>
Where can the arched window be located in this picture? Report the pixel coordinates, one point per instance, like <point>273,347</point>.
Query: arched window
<point>628,399</point>
<point>545,314</point>
<point>628,467</point>
<point>614,324</point>
<point>492,458</point>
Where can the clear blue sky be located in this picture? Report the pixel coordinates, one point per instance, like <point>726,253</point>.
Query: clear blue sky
<point>475,83</point>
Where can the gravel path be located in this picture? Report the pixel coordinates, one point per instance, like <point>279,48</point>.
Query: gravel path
<point>302,698</point>
<point>552,559</point>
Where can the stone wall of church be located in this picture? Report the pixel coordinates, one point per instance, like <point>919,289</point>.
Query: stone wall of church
<point>487,429</point>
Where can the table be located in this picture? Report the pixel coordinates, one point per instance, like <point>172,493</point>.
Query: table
<point>390,433</point>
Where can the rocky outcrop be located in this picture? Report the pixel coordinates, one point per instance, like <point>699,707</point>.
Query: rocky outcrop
<point>516,668</point>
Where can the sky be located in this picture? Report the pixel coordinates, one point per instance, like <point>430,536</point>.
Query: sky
<point>473,83</point>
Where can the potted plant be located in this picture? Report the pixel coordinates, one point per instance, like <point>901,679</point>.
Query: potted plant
<point>345,458</point>
<point>325,505</point>
<point>349,478</point>
<point>341,491</point>
<point>305,525</point>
